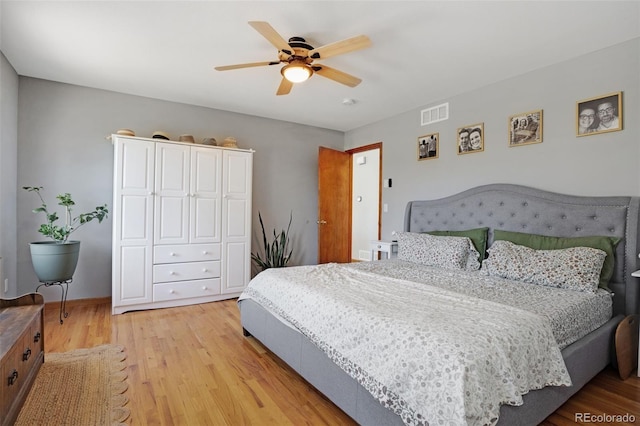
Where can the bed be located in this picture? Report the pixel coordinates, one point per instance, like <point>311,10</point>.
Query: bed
<point>501,209</point>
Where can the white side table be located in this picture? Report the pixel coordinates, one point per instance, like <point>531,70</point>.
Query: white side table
<point>388,247</point>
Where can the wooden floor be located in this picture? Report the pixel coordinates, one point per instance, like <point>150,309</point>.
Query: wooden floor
<point>192,366</point>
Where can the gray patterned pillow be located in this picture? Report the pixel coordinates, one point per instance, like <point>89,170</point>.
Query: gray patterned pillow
<point>442,251</point>
<point>575,268</point>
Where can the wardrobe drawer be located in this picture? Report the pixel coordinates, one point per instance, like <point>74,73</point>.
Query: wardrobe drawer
<point>185,271</point>
<point>185,289</point>
<point>186,253</point>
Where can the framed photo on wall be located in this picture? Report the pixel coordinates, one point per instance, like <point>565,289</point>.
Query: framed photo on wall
<point>428,146</point>
<point>470,138</point>
<point>525,128</point>
<point>599,115</point>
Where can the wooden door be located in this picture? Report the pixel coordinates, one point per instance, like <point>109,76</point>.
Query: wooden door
<point>334,206</point>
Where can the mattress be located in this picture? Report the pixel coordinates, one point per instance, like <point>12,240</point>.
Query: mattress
<point>571,314</point>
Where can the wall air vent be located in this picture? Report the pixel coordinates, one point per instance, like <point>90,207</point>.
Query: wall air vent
<point>364,255</point>
<point>434,114</point>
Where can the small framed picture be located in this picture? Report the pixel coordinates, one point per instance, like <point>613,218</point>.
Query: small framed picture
<point>428,146</point>
<point>599,115</point>
<point>471,138</point>
<point>525,128</point>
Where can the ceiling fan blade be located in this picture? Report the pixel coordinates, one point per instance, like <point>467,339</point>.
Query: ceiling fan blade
<point>272,35</point>
<point>339,76</point>
<point>285,87</point>
<point>251,64</point>
<point>340,47</point>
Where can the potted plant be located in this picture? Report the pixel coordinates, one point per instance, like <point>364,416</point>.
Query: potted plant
<point>275,252</point>
<point>56,260</point>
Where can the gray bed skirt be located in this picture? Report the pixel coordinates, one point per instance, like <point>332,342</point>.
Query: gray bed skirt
<point>584,359</point>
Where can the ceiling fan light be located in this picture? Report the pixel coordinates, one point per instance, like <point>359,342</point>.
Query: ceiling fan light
<point>296,73</point>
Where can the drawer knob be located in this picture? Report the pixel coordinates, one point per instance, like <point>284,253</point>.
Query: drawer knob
<point>379,246</point>
<point>171,273</point>
<point>37,337</point>
<point>172,291</point>
<point>13,377</point>
<point>204,287</point>
<point>205,252</point>
<point>205,270</point>
<point>172,254</point>
<point>26,354</point>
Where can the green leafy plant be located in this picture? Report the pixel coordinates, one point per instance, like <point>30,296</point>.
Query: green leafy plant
<point>275,252</point>
<point>61,233</point>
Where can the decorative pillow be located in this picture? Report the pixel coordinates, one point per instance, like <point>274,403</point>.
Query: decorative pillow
<point>478,236</point>
<point>473,260</point>
<point>444,252</point>
<point>575,268</point>
<point>543,242</point>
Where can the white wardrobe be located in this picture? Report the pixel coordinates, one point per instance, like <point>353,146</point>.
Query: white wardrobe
<point>182,223</point>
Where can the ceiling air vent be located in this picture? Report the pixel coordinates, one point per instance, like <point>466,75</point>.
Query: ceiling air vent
<point>434,114</point>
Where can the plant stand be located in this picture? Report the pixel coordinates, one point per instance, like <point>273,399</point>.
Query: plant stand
<point>64,287</point>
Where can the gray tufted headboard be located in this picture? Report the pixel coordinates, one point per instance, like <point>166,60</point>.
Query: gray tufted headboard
<point>524,209</point>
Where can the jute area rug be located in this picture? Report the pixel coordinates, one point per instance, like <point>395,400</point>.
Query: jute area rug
<point>81,387</point>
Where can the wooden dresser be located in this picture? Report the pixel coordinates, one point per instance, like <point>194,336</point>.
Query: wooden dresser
<point>21,351</point>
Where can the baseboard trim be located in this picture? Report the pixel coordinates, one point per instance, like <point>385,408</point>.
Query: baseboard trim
<point>81,302</point>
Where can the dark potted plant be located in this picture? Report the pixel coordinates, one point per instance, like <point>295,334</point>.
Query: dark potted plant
<point>276,253</point>
<point>56,260</point>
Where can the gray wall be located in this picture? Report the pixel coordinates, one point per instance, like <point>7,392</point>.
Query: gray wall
<point>62,146</point>
<point>8,169</point>
<point>60,143</point>
<point>604,164</point>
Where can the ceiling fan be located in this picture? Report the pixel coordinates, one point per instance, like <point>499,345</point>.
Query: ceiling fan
<point>299,56</point>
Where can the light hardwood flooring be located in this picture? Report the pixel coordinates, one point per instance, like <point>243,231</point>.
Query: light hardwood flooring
<point>192,366</point>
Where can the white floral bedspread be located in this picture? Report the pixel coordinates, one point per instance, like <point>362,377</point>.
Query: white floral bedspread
<point>430,355</point>
<point>572,314</point>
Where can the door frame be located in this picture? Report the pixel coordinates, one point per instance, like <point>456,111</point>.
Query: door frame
<point>351,152</point>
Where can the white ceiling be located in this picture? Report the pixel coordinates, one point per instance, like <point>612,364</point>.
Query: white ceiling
<point>422,51</point>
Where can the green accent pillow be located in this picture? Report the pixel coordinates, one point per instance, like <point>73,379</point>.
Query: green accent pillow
<point>543,242</point>
<point>478,237</point>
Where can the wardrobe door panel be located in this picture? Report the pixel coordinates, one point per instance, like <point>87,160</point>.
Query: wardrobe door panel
<point>171,214</point>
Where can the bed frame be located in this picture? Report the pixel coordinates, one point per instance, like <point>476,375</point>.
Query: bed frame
<point>497,206</point>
